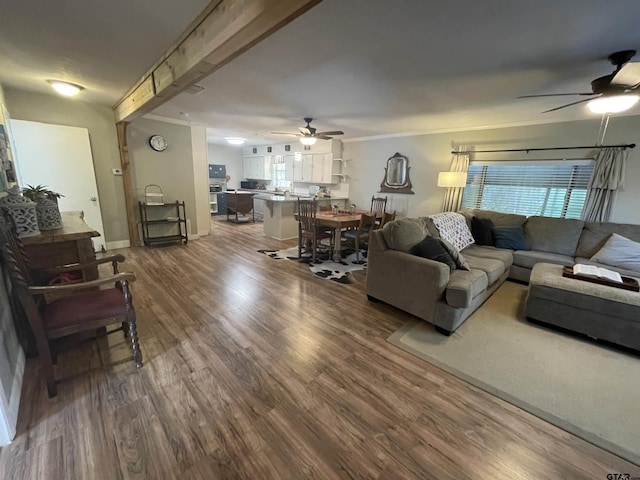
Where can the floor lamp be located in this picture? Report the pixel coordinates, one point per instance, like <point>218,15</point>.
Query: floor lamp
<point>450,180</point>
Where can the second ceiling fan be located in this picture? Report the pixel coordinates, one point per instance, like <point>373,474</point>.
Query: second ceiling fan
<point>619,87</point>
<point>309,132</point>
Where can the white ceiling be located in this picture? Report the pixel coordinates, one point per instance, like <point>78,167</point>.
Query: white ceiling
<point>367,67</point>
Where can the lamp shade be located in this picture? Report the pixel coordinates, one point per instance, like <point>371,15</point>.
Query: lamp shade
<point>452,179</point>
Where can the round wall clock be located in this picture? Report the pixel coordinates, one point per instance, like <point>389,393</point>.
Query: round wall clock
<point>158,143</point>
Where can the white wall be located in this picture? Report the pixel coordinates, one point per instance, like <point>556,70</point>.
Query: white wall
<point>201,179</point>
<point>172,169</point>
<point>100,122</point>
<point>231,156</point>
<point>12,358</point>
<point>430,154</point>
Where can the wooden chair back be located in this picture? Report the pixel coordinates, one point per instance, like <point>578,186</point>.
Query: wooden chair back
<point>378,206</point>
<point>307,214</point>
<point>387,217</point>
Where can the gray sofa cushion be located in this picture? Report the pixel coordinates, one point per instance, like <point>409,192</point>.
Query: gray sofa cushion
<point>594,235</point>
<point>492,267</point>
<point>505,256</point>
<point>620,252</point>
<point>500,219</point>
<point>464,286</point>
<point>528,258</point>
<point>404,233</point>
<point>555,235</point>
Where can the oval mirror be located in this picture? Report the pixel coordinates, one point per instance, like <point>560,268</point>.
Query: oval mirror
<point>396,175</point>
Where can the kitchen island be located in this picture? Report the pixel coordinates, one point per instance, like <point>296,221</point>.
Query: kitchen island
<point>279,220</point>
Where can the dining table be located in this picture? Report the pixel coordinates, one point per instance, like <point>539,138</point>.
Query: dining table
<point>339,222</point>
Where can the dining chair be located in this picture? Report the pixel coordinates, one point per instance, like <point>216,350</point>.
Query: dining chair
<point>378,207</point>
<point>387,217</point>
<point>308,229</point>
<point>360,235</point>
<point>64,309</point>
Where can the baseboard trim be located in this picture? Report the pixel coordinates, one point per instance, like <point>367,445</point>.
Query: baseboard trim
<point>118,244</point>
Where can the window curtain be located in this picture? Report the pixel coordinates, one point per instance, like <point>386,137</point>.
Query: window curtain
<point>459,163</point>
<point>608,177</point>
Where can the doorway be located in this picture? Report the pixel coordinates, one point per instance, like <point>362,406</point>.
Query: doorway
<point>60,157</point>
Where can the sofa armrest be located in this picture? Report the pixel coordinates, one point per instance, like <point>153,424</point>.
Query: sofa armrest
<point>377,241</point>
<point>411,283</point>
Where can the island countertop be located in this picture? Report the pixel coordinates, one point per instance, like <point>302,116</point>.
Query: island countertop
<point>294,198</point>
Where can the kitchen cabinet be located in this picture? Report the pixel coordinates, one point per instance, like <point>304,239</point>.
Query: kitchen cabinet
<point>217,171</point>
<point>322,168</point>
<point>289,161</point>
<point>257,167</point>
<point>221,204</point>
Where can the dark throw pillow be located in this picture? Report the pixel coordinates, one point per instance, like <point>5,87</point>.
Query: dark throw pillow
<point>432,249</point>
<point>482,231</point>
<point>510,238</point>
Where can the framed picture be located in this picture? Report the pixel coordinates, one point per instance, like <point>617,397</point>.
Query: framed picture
<point>268,149</point>
<point>254,150</point>
<point>287,148</point>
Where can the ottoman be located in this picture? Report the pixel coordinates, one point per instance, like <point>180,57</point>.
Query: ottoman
<point>599,311</point>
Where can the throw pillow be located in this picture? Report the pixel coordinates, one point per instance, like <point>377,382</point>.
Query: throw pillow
<point>461,262</point>
<point>453,228</point>
<point>510,238</point>
<point>619,251</point>
<point>482,231</point>
<point>432,249</point>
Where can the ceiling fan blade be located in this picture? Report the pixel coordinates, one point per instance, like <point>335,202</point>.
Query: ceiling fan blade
<point>322,137</point>
<point>628,76</point>
<point>567,105</point>
<point>305,131</point>
<point>334,132</point>
<point>286,133</point>
<point>555,95</point>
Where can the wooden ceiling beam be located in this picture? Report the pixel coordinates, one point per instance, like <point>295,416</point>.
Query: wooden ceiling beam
<point>224,30</point>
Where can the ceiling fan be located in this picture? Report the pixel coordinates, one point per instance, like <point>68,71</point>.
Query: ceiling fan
<point>308,134</point>
<point>615,92</point>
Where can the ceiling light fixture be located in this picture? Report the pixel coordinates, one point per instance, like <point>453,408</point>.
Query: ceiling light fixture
<point>65,88</point>
<point>613,103</point>
<point>308,140</point>
<point>235,140</point>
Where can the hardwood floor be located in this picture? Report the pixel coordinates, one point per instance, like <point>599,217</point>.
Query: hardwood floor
<point>256,369</point>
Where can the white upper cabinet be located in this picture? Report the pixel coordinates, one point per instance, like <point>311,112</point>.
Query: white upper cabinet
<point>257,167</point>
<point>315,165</point>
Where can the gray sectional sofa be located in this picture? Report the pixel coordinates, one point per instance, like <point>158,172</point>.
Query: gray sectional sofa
<point>429,290</point>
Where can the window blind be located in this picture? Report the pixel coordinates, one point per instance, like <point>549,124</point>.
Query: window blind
<point>555,188</point>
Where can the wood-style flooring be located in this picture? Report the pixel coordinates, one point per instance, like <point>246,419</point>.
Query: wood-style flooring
<point>256,369</point>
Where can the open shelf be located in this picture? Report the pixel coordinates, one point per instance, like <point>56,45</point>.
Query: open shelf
<point>171,215</point>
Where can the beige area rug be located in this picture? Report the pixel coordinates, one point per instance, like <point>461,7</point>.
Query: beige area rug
<point>586,388</point>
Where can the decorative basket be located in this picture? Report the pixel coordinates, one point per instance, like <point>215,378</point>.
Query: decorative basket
<point>48,214</point>
<point>23,212</point>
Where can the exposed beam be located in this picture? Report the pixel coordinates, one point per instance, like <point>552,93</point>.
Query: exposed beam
<point>132,224</point>
<point>224,30</point>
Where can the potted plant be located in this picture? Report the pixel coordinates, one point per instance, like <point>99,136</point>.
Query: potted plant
<point>46,201</point>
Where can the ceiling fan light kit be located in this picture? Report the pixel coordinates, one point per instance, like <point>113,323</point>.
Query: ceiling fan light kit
<point>613,104</point>
<point>612,93</point>
<point>308,134</point>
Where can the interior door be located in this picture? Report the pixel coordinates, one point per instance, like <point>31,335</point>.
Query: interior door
<point>60,158</point>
